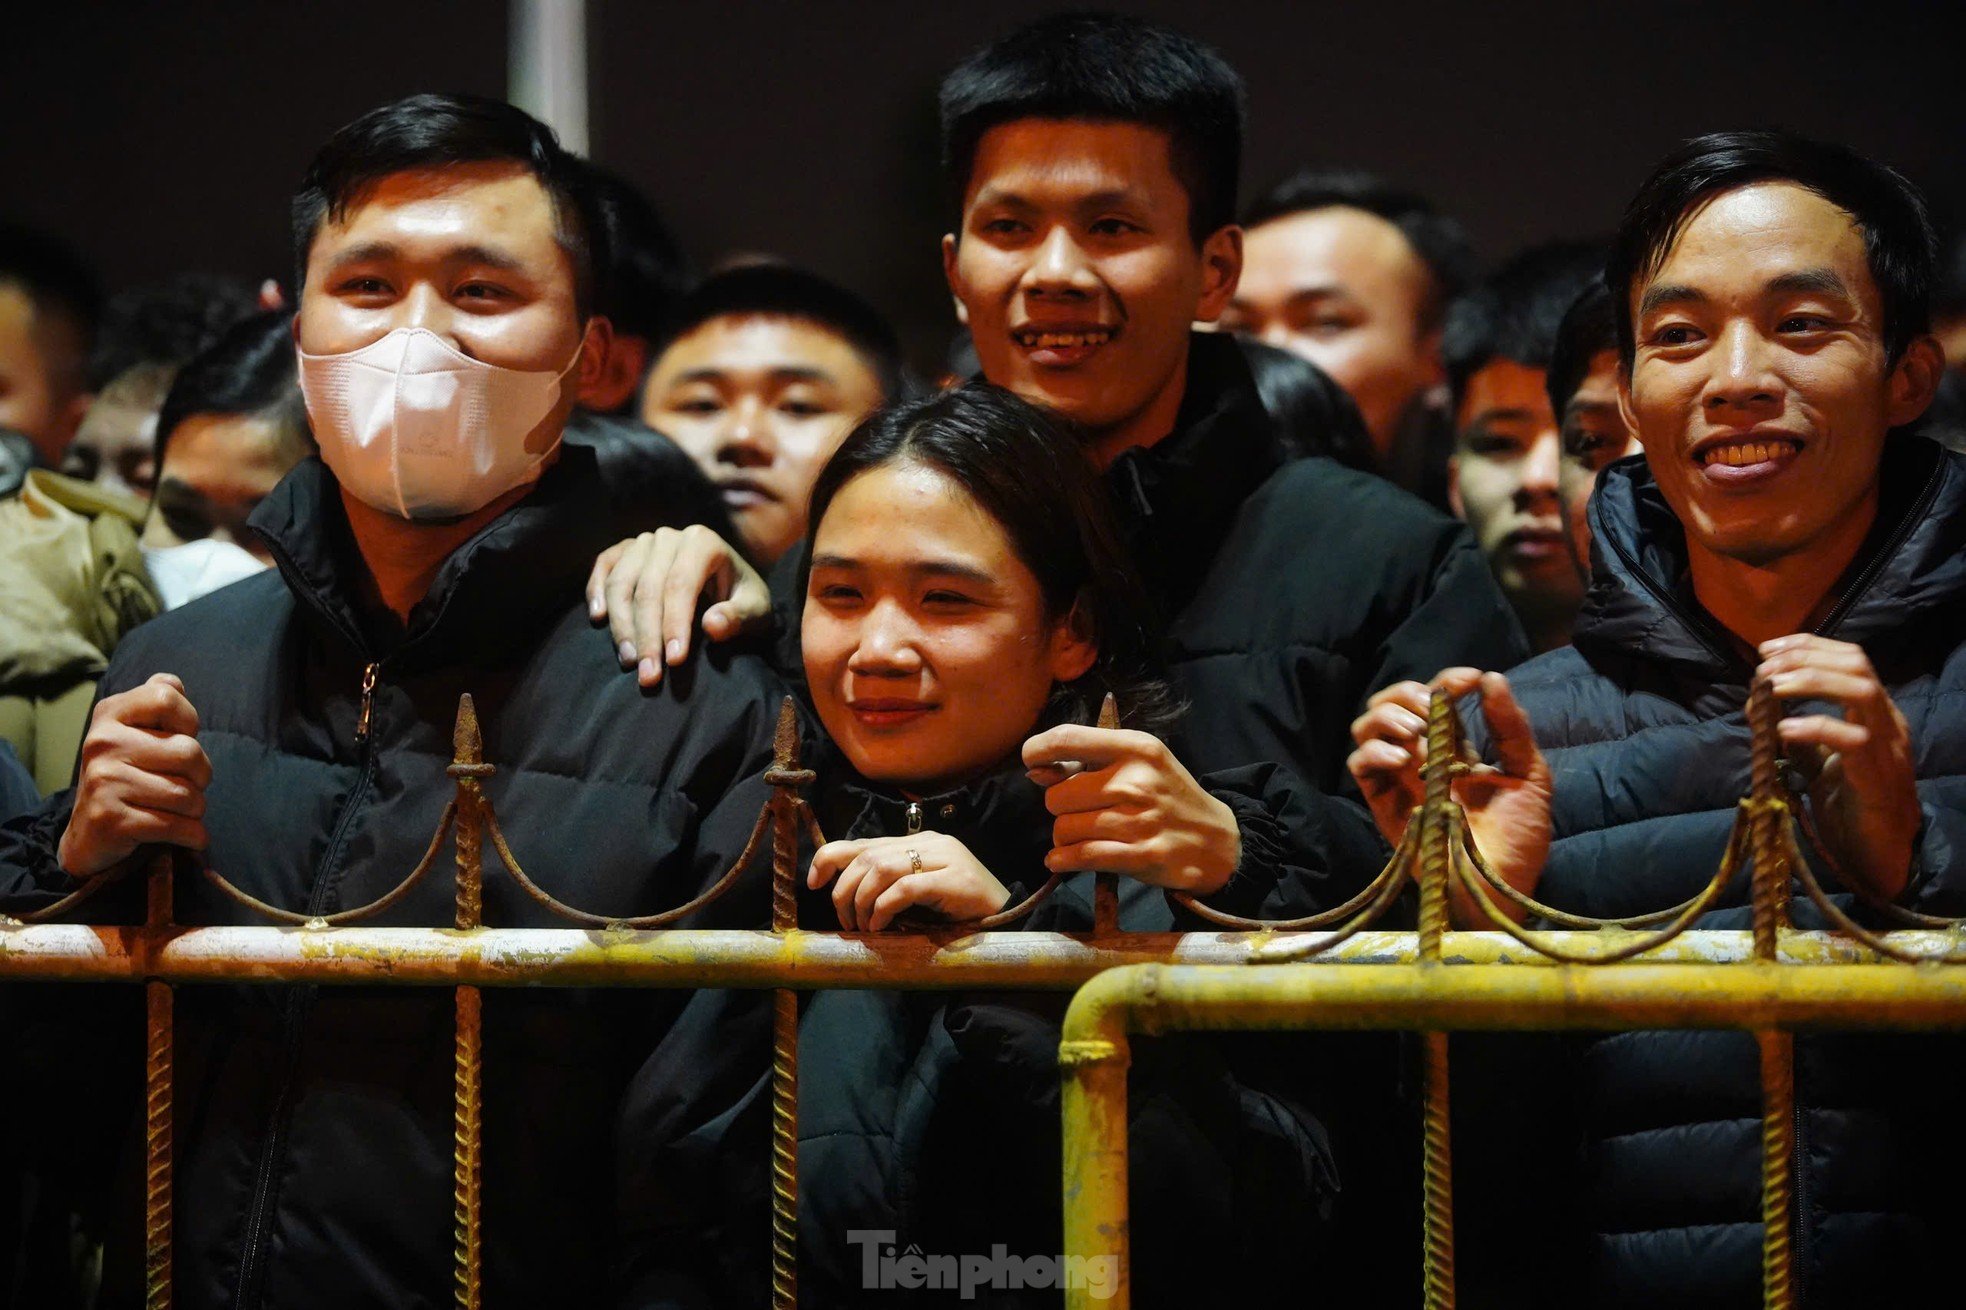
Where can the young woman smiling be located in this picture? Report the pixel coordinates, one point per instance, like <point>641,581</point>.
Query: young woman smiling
<point>967,610</point>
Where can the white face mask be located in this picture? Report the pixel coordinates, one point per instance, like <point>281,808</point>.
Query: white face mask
<point>196,568</point>
<point>414,428</point>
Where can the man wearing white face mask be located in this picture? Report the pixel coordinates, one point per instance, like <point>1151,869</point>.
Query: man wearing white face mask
<point>292,730</point>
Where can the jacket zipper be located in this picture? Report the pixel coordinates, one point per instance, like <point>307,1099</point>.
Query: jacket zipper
<point>258,1215</point>
<point>914,823</point>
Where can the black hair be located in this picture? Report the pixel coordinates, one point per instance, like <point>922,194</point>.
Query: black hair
<point>434,131</point>
<point>59,284</point>
<point>250,369</point>
<point>1312,414</point>
<point>1899,243</point>
<point>1106,68</point>
<point>647,272</point>
<point>1587,330</point>
<point>773,290</point>
<point>167,322</point>
<point>1440,242</point>
<point>1027,468</point>
<point>1514,313</point>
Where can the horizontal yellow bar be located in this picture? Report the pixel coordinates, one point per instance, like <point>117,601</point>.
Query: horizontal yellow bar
<point>572,957</point>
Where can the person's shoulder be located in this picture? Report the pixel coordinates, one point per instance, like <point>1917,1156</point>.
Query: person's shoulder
<point>239,612</point>
<point>579,653</point>
<point>1318,496</point>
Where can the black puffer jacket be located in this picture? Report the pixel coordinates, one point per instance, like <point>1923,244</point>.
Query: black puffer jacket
<point>314,1126</point>
<point>903,1096</point>
<point>1642,722</point>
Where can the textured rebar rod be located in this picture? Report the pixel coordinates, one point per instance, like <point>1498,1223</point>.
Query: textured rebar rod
<point>159,1059</point>
<point>467,1065</point>
<point>1770,894</point>
<point>1441,833</point>
<point>785,777</point>
<point>1777,1163</point>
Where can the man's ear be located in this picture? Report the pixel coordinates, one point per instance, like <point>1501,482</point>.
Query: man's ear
<point>595,348</point>
<point>952,278</point>
<point>1454,487</point>
<point>1625,411</point>
<point>1221,269</point>
<point>621,375</point>
<point>1074,645</point>
<point>1915,380</point>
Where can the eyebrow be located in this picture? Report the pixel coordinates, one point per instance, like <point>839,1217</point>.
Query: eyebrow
<point>785,373</point>
<point>940,568</point>
<point>1819,281</point>
<point>1510,415</point>
<point>379,251</point>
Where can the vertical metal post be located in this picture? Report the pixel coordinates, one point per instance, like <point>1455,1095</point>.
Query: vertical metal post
<point>1767,812</point>
<point>785,778</point>
<point>468,767</point>
<point>1106,886</point>
<point>157,1100</point>
<point>547,74</point>
<point>1441,819</point>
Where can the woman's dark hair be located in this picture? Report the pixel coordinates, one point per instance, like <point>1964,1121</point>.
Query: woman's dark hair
<point>1027,469</point>
<point>1899,243</point>
<point>250,369</point>
<point>1312,414</point>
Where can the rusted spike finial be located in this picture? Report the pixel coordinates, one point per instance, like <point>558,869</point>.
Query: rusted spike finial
<point>1109,712</point>
<point>785,741</point>
<point>467,745</point>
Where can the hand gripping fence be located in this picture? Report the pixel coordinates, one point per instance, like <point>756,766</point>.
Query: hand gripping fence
<point>1327,970</point>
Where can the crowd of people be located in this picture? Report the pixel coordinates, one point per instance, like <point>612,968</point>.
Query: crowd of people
<point>1266,476</point>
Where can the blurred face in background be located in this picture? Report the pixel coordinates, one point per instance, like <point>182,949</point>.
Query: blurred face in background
<point>1344,289</point>
<point>116,446</point>
<point>1593,434</point>
<point>216,470</point>
<point>41,392</point>
<point>760,402</point>
<point>1503,481</point>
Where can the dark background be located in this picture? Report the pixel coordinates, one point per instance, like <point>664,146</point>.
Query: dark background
<point>163,137</point>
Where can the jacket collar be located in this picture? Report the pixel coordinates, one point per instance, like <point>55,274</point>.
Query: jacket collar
<point>1178,498</point>
<point>1639,604</point>
<point>1001,804</point>
<point>492,592</point>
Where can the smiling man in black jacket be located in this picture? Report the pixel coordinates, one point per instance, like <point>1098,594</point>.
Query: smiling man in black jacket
<point>1771,301</point>
<point>295,730</point>
<point>1093,163</point>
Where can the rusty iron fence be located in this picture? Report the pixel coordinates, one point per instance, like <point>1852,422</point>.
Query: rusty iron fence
<point>1652,971</point>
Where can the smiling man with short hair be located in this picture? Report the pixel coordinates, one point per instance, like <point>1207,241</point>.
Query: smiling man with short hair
<point>1770,296</point>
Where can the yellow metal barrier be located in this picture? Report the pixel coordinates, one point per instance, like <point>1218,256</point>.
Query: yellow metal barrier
<point>1771,981</point>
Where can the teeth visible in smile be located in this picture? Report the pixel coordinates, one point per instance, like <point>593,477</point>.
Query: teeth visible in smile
<point>1749,452</point>
<point>1062,340</point>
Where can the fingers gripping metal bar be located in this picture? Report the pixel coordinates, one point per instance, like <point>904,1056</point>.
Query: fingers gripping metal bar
<point>157,1101</point>
<point>468,767</point>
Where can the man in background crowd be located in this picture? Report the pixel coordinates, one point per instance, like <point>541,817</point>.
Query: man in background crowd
<point>147,334</point>
<point>1503,475</point>
<point>49,305</point>
<point>1583,387</point>
<point>1356,276</point>
<point>761,371</point>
